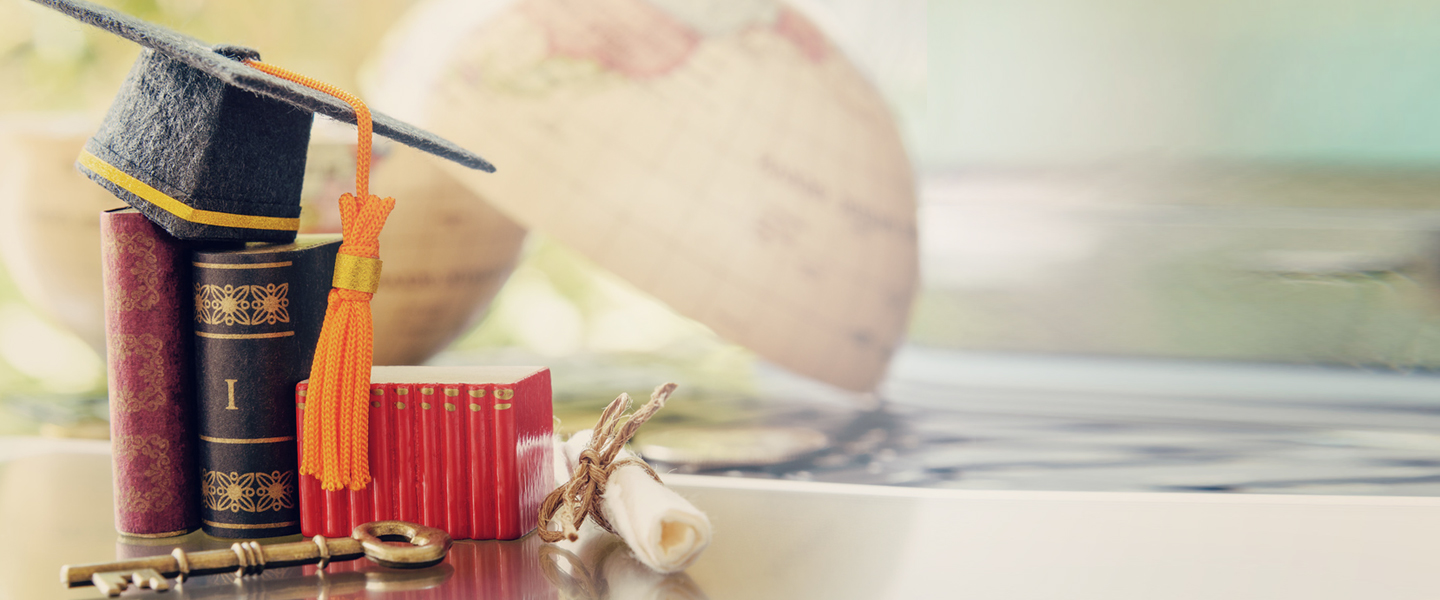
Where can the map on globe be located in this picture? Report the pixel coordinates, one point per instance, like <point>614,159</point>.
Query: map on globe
<point>722,156</point>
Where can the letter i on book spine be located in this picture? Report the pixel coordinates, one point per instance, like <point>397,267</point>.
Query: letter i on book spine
<point>258,312</point>
<point>464,449</point>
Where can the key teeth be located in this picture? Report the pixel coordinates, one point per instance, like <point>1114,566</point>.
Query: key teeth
<point>113,583</point>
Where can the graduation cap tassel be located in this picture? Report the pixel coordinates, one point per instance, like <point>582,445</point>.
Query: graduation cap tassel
<point>340,375</point>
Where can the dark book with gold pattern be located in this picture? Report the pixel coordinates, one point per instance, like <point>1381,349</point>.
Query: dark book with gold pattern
<point>146,273</point>
<point>258,312</point>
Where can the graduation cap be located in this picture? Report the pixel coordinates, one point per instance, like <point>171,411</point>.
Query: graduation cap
<point>210,143</point>
<point>207,146</point>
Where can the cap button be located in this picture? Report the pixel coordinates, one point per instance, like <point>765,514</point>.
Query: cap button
<point>234,52</point>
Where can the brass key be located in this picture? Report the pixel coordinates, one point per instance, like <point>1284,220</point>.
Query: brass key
<point>250,558</point>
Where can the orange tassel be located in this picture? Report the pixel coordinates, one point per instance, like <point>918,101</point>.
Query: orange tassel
<point>339,393</point>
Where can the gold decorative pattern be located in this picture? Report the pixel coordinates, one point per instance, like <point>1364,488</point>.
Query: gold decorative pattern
<point>242,304</point>
<point>159,473</point>
<point>504,394</point>
<point>138,358</point>
<point>135,253</point>
<point>248,492</point>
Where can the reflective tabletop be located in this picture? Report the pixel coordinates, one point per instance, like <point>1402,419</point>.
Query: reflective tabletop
<point>791,539</point>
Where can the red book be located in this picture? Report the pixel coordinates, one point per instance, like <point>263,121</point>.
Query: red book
<point>311,510</point>
<point>336,506</point>
<point>432,459</point>
<point>507,488</point>
<point>328,509</point>
<point>148,319</point>
<point>407,471</point>
<point>480,452</point>
<point>472,457</point>
<point>361,512</point>
<point>457,472</point>
<point>382,446</point>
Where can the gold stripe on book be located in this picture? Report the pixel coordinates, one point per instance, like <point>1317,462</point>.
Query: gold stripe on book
<point>251,525</point>
<point>269,265</point>
<point>244,336</point>
<point>269,440</point>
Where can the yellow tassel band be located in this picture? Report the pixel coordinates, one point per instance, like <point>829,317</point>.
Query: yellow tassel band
<point>357,273</point>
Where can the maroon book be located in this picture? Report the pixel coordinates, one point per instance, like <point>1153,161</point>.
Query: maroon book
<point>148,354</point>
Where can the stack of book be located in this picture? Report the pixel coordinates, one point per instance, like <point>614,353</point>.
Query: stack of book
<point>205,344</point>
<point>463,449</point>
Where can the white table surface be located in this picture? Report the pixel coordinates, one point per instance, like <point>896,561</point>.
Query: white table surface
<point>787,539</point>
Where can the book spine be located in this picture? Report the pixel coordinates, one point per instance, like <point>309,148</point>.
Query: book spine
<point>147,345</point>
<point>432,460</point>
<point>507,484</point>
<point>337,513</point>
<point>457,486</point>
<point>257,319</point>
<point>382,448</point>
<point>407,471</point>
<point>312,508</point>
<point>362,508</point>
<point>481,455</point>
<point>535,447</point>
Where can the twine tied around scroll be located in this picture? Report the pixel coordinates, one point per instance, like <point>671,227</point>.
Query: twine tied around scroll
<point>582,496</point>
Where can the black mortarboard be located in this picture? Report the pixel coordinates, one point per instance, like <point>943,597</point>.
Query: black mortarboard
<point>208,147</point>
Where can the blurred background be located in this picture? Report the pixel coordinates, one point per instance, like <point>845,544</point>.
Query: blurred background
<point>1188,245</point>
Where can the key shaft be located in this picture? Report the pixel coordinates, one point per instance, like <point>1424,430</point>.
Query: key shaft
<point>427,547</point>
<point>244,557</point>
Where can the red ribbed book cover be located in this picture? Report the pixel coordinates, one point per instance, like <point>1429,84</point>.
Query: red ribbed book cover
<point>407,469</point>
<point>507,477</point>
<point>312,510</point>
<point>432,460</point>
<point>337,513</point>
<point>480,450</point>
<point>148,314</point>
<point>382,452</point>
<point>457,462</point>
<point>464,449</point>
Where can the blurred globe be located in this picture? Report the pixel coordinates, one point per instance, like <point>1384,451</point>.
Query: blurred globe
<point>721,155</point>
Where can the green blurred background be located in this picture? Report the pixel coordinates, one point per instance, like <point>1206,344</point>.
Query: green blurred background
<point>1216,180</point>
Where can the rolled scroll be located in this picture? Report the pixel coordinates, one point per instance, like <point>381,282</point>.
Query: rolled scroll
<point>597,478</point>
